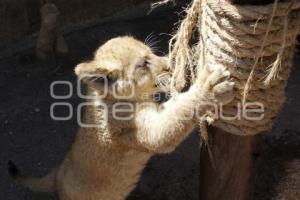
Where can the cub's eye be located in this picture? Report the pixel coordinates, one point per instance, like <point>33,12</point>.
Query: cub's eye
<point>143,64</point>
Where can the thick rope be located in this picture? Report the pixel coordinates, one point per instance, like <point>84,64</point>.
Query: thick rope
<point>255,43</point>
<point>180,52</point>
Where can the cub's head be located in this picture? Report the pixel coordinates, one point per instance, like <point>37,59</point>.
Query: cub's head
<point>125,67</point>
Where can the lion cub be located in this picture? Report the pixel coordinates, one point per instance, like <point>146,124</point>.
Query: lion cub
<point>125,127</point>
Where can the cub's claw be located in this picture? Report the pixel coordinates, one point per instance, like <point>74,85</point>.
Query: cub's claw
<point>218,75</point>
<point>218,84</point>
<point>223,92</point>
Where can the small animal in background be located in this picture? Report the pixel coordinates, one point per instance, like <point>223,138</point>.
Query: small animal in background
<point>50,40</point>
<point>106,160</point>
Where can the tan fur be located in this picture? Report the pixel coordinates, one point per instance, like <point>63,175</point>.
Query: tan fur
<point>105,162</point>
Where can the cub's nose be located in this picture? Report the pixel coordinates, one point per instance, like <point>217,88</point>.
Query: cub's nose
<point>167,70</point>
<point>166,67</point>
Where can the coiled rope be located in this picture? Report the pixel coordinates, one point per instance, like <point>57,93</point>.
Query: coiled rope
<point>255,43</point>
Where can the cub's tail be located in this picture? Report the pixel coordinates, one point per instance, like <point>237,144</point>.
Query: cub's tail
<point>43,184</point>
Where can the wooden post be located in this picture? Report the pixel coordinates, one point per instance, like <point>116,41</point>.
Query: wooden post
<point>233,175</point>
<point>232,179</point>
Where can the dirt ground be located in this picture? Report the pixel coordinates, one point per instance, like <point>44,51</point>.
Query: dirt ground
<point>36,143</point>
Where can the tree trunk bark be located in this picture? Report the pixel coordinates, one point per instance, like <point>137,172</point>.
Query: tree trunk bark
<point>233,175</point>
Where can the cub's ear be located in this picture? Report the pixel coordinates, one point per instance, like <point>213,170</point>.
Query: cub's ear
<point>97,71</point>
<point>90,69</point>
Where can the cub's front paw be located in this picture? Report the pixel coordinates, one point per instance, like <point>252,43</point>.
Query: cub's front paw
<point>219,85</point>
